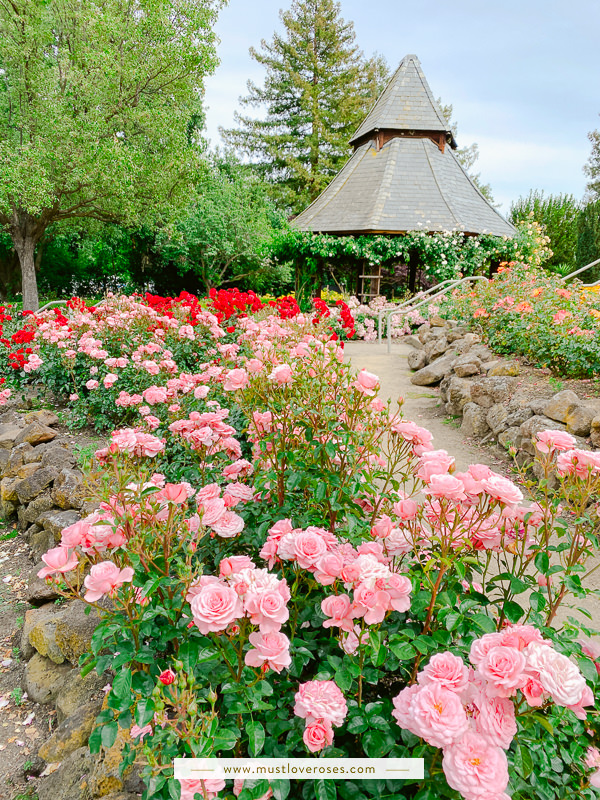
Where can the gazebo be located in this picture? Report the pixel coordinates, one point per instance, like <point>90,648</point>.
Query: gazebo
<point>403,175</point>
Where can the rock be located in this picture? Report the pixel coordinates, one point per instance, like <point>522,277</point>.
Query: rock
<point>44,417</point>
<point>497,418</point>
<point>69,489</point>
<point>40,542</point>
<point>558,406</point>
<point>467,369</point>
<point>7,509</point>
<point>472,338</point>
<point>4,459</point>
<point>27,470</point>
<point>579,420</point>
<point>413,341</point>
<point>474,421</point>
<point>538,406</point>
<point>70,780</point>
<point>106,779</point>
<point>436,348</point>
<point>38,506</point>
<point>43,678</point>
<point>487,366</point>
<point>38,591</point>
<point>59,458</point>
<point>438,321</point>
<point>517,416</point>
<point>31,530</point>
<point>482,352</point>
<point>65,634</point>
<point>36,433</point>
<point>511,368</point>
<point>8,436</point>
<point>17,458</point>
<point>57,521</point>
<point>30,487</point>
<point>433,373</point>
<point>32,617</point>
<point>417,359</point>
<point>508,437</point>
<point>461,346</point>
<point>595,431</point>
<point>77,690</point>
<point>8,489</point>
<point>71,734</point>
<point>458,394</point>
<point>455,333</point>
<point>74,629</point>
<point>488,391</point>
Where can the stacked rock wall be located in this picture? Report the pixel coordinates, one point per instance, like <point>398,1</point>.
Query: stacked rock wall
<point>478,386</point>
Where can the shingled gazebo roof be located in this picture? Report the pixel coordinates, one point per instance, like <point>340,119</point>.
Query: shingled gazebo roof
<point>403,174</point>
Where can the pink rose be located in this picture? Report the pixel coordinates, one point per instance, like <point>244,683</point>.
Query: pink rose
<point>281,375</point>
<point>446,669</point>
<point>229,566</point>
<point>92,384</point>
<point>267,609</point>
<point>556,673</point>
<point>405,509</point>
<point>503,668</point>
<point>105,578</point>
<point>551,441</point>
<point>272,649</point>
<point>476,768</point>
<point>321,700</point>
<point>174,493</point>
<point>502,489</point>
<point>318,735</point>
<point>214,606</point>
<point>438,715</point>
<point>228,525</point>
<point>329,568</point>
<point>308,549</point>
<point>445,486</point>
<point>481,647</point>
<point>58,560</point>
<point>235,379</point>
<point>214,508</point>
<point>339,610</point>
<point>496,720</point>
<point>155,394</point>
<point>434,462</point>
<point>366,382</point>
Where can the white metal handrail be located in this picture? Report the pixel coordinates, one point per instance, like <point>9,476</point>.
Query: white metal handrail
<point>52,303</point>
<point>582,269</point>
<point>428,300</point>
<point>408,302</point>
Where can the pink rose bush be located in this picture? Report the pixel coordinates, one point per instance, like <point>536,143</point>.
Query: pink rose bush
<point>287,566</point>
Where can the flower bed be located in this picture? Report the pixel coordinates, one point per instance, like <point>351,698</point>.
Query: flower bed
<point>293,570</point>
<point>530,312</point>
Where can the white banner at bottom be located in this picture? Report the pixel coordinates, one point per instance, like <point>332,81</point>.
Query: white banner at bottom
<point>300,769</point>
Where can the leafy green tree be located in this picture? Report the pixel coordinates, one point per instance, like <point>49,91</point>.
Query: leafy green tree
<point>223,238</point>
<point>559,216</point>
<point>99,112</point>
<point>317,89</point>
<point>588,239</point>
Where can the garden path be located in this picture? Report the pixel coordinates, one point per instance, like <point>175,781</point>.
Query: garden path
<point>420,402</point>
<point>421,406</point>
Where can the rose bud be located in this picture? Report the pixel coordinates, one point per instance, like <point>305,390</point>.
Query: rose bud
<point>167,677</point>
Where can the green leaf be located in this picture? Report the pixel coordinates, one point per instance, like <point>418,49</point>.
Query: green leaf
<point>377,744</point>
<point>512,611</point>
<point>544,722</point>
<point>325,790</point>
<point>108,734</point>
<point>537,601</point>
<point>484,622</point>
<point>256,737</point>
<point>404,651</point>
<point>343,679</point>
<point>121,686</point>
<point>224,740</point>
<point>144,711</point>
<point>542,562</point>
<point>281,789</point>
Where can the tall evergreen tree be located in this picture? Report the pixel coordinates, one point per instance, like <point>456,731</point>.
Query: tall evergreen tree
<point>318,87</point>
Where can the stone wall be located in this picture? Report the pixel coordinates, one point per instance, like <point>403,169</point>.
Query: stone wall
<point>42,489</point>
<point>482,389</point>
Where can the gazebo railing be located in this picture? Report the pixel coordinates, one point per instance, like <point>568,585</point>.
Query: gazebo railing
<point>441,293</point>
<point>407,303</point>
<point>580,270</point>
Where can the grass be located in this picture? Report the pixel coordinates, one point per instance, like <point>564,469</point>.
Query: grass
<point>4,537</point>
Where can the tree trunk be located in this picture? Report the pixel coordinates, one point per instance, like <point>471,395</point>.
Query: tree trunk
<point>25,233</point>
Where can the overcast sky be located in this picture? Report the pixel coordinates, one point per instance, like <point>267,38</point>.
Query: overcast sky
<point>523,76</point>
